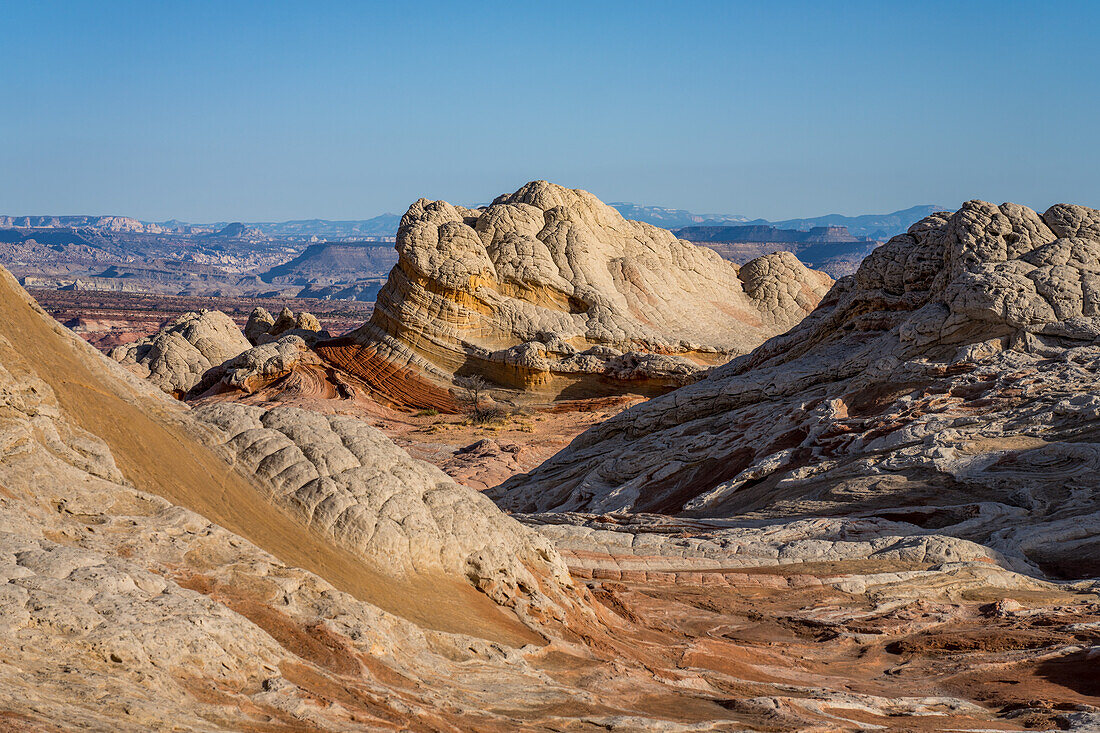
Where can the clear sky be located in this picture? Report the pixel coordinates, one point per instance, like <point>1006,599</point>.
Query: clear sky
<point>277,110</point>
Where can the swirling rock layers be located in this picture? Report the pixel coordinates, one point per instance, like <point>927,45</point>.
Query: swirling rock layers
<point>549,290</point>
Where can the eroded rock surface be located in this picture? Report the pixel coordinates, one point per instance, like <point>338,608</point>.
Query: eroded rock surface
<point>176,357</point>
<point>130,611</point>
<point>156,571</point>
<point>348,481</point>
<point>259,366</point>
<point>949,384</point>
<point>550,290</point>
<point>263,328</point>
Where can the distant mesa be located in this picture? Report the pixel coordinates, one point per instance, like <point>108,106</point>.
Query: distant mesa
<point>382,226</point>
<point>872,226</point>
<point>832,248</point>
<point>59,237</point>
<point>671,218</point>
<point>378,227</point>
<point>337,270</point>
<point>762,233</point>
<point>878,227</point>
<point>105,223</point>
<point>549,291</point>
<point>237,230</point>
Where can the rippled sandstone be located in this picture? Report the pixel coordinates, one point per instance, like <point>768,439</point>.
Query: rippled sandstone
<point>949,385</point>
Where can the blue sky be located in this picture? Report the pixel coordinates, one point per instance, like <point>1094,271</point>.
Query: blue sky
<point>279,110</point>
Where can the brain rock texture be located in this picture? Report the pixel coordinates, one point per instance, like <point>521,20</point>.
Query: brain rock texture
<point>951,383</point>
<point>348,481</point>
<point>176,357</point>
<point>122,609</point>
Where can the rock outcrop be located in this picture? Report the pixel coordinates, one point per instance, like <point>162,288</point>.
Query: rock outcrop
<point>176,357</point>
<point>338,475</point>
<point>258,367</point>
<point>550,290</point>
<point>949,385</point>
<point>263,328</point>
<point>127,608</point>
<point>348,481</point>
<point>282,570</point>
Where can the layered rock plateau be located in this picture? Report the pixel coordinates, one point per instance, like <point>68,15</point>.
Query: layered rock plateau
<point>551,292</point>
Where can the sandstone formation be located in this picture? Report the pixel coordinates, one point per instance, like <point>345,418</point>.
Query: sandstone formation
<point>131,611</point>
<point>349,482</point>
<point>949,386</point>
<point>550,290</point>
<point>260,366</point>
<point>176,357</point>
<point>484,464</point>
<point>263,328</point>
<point>935,615</point>
<point>157,572</point>
<point>259,324</point>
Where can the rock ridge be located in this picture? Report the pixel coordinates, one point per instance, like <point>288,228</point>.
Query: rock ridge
<point>946,384</point>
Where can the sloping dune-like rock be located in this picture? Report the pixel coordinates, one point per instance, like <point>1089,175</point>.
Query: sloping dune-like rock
<point>550,290</point>
<point>949,384</point>
<point>337,475</point>
<point>129,609</point>
<point>348,481</point>
<point>176,357</point>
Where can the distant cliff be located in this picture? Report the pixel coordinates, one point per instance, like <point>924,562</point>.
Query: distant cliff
<point>761,233</point>
<point>333,263</point>
<point>667,218</point>
<point>872,226</point>
<point>105,223</point>
<point>832,249</point>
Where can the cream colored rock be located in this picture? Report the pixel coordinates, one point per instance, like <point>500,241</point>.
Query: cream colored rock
<point>122,610</point>
<point>148,584</point>
<point>176,357</point>
<point>550,290</point>
<point>257,367</point>
<point>948,385</point>
<point>262,328</point>
<point>259,324</point>
<point>348,481</point>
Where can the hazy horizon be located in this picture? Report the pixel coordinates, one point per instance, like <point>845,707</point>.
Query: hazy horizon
<point>278,111</point>
<point>461,203</point>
